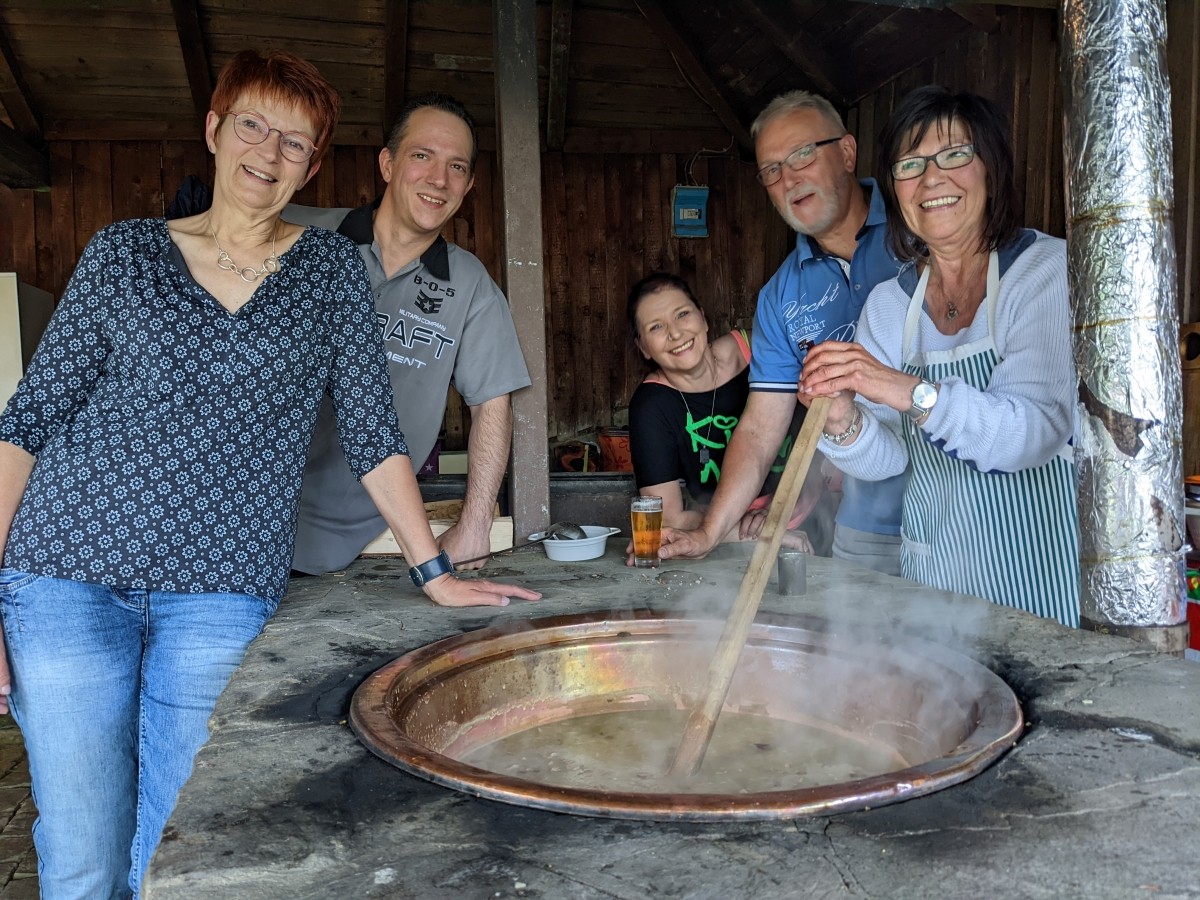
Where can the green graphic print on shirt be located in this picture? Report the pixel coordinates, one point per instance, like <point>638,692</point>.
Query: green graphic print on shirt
<point>702,443</point>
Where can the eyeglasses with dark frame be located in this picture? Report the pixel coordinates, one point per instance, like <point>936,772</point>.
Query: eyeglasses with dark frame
<point>800,158</point>
<point>253,129</point>
<point>950,158</point>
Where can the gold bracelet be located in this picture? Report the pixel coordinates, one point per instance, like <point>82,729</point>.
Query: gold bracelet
<point>850,432</point>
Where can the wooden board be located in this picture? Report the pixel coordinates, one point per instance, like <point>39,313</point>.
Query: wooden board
<point>501,537</point>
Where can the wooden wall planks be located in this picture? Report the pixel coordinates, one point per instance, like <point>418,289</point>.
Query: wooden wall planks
<point>606,216</point>
<point>1017,67</point>
<point>606,220</point>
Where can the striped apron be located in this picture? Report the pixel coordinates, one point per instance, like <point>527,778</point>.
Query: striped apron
<point>1010,537</point>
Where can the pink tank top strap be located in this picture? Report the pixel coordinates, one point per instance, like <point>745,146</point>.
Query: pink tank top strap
<point>743,341</point>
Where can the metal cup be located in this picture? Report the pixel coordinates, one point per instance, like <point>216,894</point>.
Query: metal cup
<point>792,566</point>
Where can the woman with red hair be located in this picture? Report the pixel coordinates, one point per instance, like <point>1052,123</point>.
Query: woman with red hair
<point>150,466</point>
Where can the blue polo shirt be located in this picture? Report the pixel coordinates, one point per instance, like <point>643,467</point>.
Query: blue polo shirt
<point>816,296</point>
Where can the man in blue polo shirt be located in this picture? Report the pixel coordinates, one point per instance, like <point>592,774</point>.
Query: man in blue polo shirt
<point>806,161</point>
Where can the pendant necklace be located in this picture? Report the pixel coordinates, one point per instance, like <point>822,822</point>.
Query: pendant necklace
<point>269,267</point>
<point>951,306</point>
<point>704,454</point>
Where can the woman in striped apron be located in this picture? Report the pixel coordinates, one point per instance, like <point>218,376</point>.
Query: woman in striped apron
<point>963,373</point>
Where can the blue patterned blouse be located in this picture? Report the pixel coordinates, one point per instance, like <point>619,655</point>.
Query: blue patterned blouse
<point>170,434</point>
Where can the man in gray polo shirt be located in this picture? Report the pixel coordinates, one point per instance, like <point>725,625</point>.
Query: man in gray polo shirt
<point>443,319</point>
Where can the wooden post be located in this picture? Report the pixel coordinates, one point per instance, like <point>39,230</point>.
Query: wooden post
<point>519,159</point>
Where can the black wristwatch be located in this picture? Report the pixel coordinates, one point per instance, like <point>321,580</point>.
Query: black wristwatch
<point>434,568</point>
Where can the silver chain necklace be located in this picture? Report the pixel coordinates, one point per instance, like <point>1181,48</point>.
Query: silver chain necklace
<point>952,310</point>
<point>269,267</point>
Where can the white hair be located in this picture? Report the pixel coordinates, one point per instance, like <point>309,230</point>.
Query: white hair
<point>793,101</point>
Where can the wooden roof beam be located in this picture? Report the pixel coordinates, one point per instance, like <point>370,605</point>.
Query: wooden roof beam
<point>15,95</point>
<point>825,73</point>
<point>195,57</point>
<point>948,4</point>
<point>395,62</point>
<point>21,166</point>
<point>560,58</point>
<point>982,15</point>
<point>693,69</point>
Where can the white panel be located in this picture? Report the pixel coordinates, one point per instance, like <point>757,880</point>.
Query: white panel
<point>10,337</point>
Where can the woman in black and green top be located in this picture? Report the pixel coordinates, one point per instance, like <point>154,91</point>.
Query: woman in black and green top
<point>683,413</point>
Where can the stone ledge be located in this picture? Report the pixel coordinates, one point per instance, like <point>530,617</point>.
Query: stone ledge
<point>285,803</point>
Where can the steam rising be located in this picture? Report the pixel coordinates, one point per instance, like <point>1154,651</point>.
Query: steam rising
<point>847,700</point>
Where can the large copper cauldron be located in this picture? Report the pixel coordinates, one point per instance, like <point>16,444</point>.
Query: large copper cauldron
<point>937,717</point>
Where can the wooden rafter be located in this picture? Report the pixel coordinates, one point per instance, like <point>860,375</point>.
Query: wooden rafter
<point>16,96</point>
<point>395,62</point>
<point>195,57</point>
<point>950,4</point>
<point>694,70</point>
<point>981,15</point>
<point>826,74</point>
<point>21,166</point>
<point>560,58</point>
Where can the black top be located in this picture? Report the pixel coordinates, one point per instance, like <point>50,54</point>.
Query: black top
<point>670,430</point>
<point>682,435</point>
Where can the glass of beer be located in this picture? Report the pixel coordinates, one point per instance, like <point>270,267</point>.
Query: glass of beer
<point>646,515</point>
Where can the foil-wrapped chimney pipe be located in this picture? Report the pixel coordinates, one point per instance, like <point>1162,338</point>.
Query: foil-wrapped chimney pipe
<point>1121,267</point>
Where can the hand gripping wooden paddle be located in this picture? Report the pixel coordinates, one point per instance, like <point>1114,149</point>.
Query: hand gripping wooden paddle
<point>703,719</point>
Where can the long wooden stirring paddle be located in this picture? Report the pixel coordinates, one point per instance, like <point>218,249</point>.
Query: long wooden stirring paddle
<point>703,720</point>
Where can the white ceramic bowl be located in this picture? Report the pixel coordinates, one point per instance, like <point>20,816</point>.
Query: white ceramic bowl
<point>589,547</point>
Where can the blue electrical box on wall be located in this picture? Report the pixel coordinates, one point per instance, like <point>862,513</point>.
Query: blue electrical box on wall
<point>690,210</point>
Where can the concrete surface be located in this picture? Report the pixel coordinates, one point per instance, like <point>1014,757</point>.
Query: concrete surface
<point>1099,799</point>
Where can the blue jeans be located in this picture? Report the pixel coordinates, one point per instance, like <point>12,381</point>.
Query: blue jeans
<point>112,689</point>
